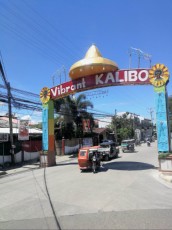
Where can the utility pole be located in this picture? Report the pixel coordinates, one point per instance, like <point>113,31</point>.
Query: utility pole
<point>7,84</point>
<point>133,115</point>
<point>150,110</point>
<point>116,137</point>
<point>10,123</point>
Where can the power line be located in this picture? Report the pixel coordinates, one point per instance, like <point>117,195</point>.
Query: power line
<point>35,28</point>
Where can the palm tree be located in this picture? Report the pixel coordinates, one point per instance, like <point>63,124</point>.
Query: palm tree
<point>79,108</point>
<point>64,126</point>
<point>72,111</point>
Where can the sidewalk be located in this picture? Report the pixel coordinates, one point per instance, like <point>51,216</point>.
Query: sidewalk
<point>19,168</point>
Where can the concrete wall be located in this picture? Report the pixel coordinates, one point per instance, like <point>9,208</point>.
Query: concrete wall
<point>18,157</point>
<point>71,146</point>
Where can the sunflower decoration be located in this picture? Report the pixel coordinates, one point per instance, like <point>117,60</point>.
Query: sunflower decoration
<point>158,75</point>
<point>45,95</point>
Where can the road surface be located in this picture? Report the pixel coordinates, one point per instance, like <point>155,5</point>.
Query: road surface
<point>127,193</point>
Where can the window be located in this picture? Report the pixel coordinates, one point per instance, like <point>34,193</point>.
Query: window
<point>82,153</point>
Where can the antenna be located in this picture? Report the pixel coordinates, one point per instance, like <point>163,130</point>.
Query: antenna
<point>140,55</point>
<point>59,74</point>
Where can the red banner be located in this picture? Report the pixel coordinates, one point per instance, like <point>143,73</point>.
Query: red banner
<point>86,125</point>
<point>121,77</point>
<point>23,130</point>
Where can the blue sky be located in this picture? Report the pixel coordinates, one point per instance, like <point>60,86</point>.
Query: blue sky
<point>41,38</point>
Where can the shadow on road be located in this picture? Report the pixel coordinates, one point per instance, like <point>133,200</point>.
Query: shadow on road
<point>128,166</point>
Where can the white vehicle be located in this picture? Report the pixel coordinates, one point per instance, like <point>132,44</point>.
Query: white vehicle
<point>108,150</point>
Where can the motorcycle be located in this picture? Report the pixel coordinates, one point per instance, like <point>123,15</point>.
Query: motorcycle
<point>148,143</point>
<point>95,162</point>
<point>131,147</point>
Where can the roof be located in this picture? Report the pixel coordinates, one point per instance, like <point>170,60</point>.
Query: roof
<point>90,147</point>
<point>99,130</point>
<point>107,143</point>
<point>4,122</point>
<point>15,131</point>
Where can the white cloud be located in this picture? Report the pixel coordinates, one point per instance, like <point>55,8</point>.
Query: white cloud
<point>26,117</point>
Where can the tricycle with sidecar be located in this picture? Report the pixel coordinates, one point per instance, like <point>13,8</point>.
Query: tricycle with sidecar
<point>128,145</point>
<point>108,150</point>
<point>89,158</point>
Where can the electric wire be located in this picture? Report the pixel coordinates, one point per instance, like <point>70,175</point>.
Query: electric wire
<point>17,103</point>
<point>68,48</point>
<point>26,22</point>
<point>37,26</point>
<point>31,44</point>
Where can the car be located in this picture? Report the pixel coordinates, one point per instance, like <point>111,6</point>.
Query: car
<point>108,150</point>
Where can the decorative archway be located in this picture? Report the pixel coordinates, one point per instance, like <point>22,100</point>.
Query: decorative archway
<point>94,71</point>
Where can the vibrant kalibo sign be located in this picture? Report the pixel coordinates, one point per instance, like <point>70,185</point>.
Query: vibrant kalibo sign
<point>121,77</point>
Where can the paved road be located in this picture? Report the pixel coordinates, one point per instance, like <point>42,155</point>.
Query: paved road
<point>126,194</point>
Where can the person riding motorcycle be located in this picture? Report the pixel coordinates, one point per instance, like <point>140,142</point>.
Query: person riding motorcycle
<point>148,142</point>
<point>95,161</point>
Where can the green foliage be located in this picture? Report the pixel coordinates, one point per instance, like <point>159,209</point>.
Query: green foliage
<point>125,133</point>
<point>38,126</point>
<point>123,126</point>
<point>163,155</point>
<point>72,111</point>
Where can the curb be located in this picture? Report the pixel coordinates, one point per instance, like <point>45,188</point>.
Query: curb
<point>19,170</point>
<point>166,177</point>
<point>5,173</point>
<point>2,173</point>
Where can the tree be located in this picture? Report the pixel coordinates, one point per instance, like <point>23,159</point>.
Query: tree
<point>79,111</point>
<point>64,126</point>
<point>123,125</point>
<point>72,111</point>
